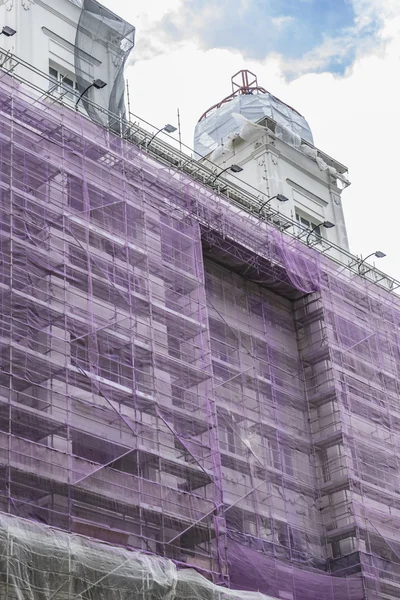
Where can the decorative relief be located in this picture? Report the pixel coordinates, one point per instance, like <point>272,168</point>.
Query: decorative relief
<point>8,4</point>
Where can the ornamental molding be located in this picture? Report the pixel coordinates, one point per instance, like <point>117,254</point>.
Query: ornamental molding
<point>9,4</point>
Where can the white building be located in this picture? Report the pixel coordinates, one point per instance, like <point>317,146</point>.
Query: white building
<point>72,42</point>
<point>273,145</point>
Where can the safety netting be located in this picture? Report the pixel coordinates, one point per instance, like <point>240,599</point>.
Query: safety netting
<point>111,39</point>
<point>178,378</point>
<point>38,561</point>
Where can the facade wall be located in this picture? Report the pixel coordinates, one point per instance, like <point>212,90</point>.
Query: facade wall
<point>107,362</point>
<point>237,417</point>
<point>348,336</point>
<point>271,167</point>
<point>263,418</point>
<point>45,31</point>
<point>64,46</point>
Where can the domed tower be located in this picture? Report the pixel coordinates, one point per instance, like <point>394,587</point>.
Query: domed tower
<point>250,101</point>
<point>272,148</point>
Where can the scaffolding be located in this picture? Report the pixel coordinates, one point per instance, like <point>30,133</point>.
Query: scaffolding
<point>182,382</point>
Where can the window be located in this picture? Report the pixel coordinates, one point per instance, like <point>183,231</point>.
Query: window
<point>306,222</point>
<point>224,342</point>
<point>53,75</point>
<point>287,461</point>
<point>62,84</point>
<point>272,452</point>
<point>228,437</point>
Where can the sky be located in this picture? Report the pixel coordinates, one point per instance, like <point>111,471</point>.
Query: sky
<point>337,62</point>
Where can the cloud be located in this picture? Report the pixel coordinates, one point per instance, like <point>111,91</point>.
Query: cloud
<point>356,120</point>
<point>257,28</point>
<point>307,35</point>
<point>282,22</point>
<point>334,54</point>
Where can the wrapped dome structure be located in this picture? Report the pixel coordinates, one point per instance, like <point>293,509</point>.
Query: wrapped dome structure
<point>248,102</point>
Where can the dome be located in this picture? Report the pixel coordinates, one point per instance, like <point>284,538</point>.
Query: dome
<point>247,103</point>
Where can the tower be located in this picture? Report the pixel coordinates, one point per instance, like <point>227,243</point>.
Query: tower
<point>274,146</point>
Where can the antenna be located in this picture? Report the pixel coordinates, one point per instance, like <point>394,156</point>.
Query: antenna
<point>243,82</point>
<point>128,100</point>
<point>179,131</point>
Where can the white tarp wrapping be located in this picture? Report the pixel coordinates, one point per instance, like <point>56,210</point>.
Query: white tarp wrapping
<point>38,562</point>
<point>215,129</point>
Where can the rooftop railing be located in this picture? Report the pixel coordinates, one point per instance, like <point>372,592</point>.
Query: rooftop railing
<point>139,132</point>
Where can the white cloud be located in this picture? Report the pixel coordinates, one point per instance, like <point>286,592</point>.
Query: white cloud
<point>354,118</point>
<point>282,22</point>
<point>317,59</point>
<point>143,12</point>
<point>370,9</point>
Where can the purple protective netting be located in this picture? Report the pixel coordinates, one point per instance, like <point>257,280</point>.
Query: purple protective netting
<point>302,264</point>
<point>252,571</point>
<point>178,378</point>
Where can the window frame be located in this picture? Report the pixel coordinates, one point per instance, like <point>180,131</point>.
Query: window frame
<point>58,83</point>
<point>307,221</point>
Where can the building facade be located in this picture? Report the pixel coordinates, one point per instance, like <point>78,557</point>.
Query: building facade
<point>65,45</point>
<point>193,401</point>
<point>273,145</point>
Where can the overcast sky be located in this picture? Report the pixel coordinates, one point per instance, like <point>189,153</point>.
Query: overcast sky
<point>336,61</point>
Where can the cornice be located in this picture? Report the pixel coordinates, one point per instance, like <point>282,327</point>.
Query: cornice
<point>71,47</point>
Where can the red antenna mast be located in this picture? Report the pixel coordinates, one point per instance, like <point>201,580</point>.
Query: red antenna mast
<point>244,82</point>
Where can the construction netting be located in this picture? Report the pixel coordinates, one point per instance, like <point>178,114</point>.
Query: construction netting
<point>37,561</point>
<point>179,378</point>
<point>102,46</point>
